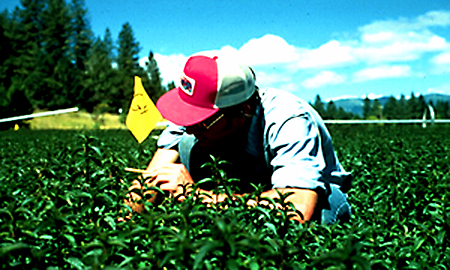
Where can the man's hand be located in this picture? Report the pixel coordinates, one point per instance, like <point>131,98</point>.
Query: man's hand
<point>171,178</point>
<point>161,159</point>
<point>304,200</point>
<point>132,201</point>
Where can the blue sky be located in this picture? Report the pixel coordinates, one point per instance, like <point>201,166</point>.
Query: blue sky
<point>333,48</point>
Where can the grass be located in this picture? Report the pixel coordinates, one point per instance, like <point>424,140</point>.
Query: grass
<point>78,120</point>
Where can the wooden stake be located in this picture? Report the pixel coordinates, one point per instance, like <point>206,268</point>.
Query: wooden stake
<point>139,171</point>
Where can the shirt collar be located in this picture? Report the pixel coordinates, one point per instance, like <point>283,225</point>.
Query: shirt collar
<point>254,144</point>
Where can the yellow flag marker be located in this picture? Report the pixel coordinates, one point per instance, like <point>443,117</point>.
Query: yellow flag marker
<point>143,114</point>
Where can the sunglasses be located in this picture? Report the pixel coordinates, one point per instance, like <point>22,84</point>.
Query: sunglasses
<point>204,125</point>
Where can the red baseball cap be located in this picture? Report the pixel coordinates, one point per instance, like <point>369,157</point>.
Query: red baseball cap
<point>207,84</point>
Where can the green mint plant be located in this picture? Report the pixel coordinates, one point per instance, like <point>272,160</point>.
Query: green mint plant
<point>61,195</point>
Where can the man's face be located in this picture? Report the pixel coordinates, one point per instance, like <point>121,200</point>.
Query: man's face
<point>215,129</point>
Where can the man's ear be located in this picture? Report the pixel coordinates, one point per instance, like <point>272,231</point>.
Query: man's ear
<point>246,110</point>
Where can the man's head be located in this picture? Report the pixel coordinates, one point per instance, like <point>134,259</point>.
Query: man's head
<point>207,84</point>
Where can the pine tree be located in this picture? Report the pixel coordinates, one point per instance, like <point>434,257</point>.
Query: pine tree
<point>102,77</point>
<point>422,106</point>
<point>58,67</point>
<point>82,35</point>
<point>49,60</point>
<point>80,43</point>
<point>343,114</point>
<point>13,101</point>
<point>128,67</point>
<point>128,51</point>
<point>331,111</point>
<point>442,109</point>
<point>170,85</point>
<point>319,106</point>
<point>25,70</point>
<point>412,105</point>
<point>6,47</point>
<point>390,110</point>
<point>376,109</point>
<point>367,107</point>
<point>402,108</point>
<point>153,85</point>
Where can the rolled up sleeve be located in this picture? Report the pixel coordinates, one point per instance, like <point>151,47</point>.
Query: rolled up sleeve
<point>170,137</point>
<point>296,154</point>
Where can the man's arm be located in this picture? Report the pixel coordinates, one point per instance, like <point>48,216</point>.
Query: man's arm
<point>168,175</point>
<point>304,200</point>
<point>161,157</point>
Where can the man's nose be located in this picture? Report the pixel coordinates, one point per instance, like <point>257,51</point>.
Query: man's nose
<point>192,130</point>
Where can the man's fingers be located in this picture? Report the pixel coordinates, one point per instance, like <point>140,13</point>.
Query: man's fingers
<point>164,170</point>
<point>169,177</point>
<point>166,185</point>
<point>172,168</point>
<point>135,184</point>
<point>148,181</point>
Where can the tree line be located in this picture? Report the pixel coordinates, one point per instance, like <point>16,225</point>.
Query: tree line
<point>402,108</point>
<point>51,60</point>
<point>330,110</point>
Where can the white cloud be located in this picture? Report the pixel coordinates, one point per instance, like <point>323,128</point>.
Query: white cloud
<point>420,23</point>
<point>226,51</point>
<point>434,18</point>
<point>441,63</point>
<point>269,77</point>
<point>442,59</point>
<point>441,89</point>
<point>170,66</point>
<point>384,47</point>
<point>269,54</point>
<point>415,95</point>
<point>341,97</point>
<point>331,54</point>
<point>436,91</point>
<point>380,72</point>
<point>402,39</point>
<point>267,50</point>
<point>322,79</point>
<point>372,96</point>
<point>378,37</point>
<point>378,51</point>
<point>289,86</point>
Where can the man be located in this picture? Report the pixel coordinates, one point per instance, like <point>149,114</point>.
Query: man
<point>270,137</point>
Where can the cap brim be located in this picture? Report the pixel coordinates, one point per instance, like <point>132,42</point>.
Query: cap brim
<point>174,109</point>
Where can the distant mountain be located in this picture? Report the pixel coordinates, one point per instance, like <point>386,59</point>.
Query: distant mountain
<point>355,105</point>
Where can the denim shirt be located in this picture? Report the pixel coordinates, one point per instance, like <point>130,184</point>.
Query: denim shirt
<point>290,137</point>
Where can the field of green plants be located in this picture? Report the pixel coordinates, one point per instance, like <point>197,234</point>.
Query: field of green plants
<point>62,192</point>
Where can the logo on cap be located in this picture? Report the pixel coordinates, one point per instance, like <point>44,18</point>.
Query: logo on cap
<point>187,85</point>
